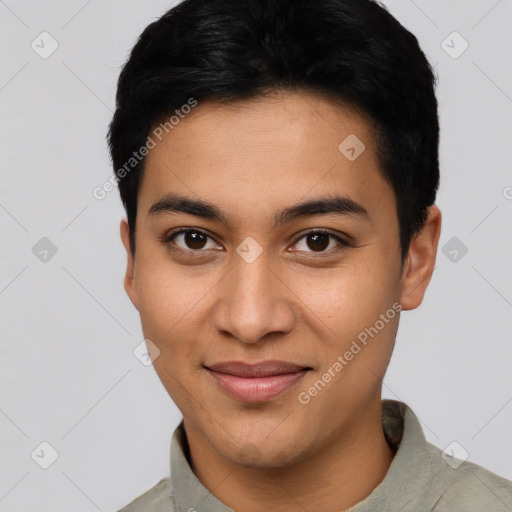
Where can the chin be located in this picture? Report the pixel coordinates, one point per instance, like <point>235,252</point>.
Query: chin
<point>263,450</point>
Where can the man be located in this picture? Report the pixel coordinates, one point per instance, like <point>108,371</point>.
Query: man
<point>278,162</point>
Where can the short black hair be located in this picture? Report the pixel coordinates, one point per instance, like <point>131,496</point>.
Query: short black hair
<point>352,51</point>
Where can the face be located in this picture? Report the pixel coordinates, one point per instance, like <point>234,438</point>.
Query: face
<point>268,274</point>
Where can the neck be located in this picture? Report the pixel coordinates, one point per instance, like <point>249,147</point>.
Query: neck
<point>344,472</point>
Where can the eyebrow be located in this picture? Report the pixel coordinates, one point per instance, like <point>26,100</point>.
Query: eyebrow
<point>335,204</point>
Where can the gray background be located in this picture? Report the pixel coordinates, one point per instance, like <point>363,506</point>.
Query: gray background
<point>68,331</point>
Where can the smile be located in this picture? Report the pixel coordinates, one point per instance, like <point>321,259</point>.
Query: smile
<point>259,382</point>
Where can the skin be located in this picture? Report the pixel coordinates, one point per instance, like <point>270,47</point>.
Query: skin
<point>295,302</point>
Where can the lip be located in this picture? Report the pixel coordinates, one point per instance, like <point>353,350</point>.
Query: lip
<point>257,382</point>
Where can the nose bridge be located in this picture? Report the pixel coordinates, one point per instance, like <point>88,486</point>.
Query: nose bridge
<point>253,302</point>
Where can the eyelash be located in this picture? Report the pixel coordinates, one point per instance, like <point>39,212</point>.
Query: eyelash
<point>167,240</point>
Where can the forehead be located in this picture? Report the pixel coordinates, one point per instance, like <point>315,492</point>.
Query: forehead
<point>283,147</point>
<point>298,121</point>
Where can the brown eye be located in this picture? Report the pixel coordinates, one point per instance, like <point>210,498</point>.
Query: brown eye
<point>191,240</point>
<point>194,239</point>
<point>319,242</point>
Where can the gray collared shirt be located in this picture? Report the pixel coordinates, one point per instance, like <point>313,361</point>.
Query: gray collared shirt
<point>420,478</point>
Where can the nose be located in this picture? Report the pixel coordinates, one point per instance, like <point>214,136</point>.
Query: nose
<point>254,302</point>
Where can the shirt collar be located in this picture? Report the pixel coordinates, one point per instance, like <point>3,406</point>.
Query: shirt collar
<point>411,468</point>
<point>408,474</point>
<point>189,493</point>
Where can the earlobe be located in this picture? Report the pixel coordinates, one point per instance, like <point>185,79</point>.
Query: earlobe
<point>129,278</point>
<point>420,261</point>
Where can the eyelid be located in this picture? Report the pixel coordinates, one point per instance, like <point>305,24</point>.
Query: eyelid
<point>167,238</point>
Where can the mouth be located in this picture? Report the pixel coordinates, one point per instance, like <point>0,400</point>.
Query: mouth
<point>260,382</point>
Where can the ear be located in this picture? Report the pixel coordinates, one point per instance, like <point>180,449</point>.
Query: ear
<point>129,284</point>
<point>420,260</point>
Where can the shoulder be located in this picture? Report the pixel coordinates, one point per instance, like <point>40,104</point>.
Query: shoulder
<point>463,485</point>
<point>159,498</point>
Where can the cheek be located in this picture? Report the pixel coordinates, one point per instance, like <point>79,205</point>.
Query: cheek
<point>173,307</point>
<point>353,296</point>
<point>166,295</point>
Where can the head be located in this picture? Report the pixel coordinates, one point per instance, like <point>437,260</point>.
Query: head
<point>278,163</point>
